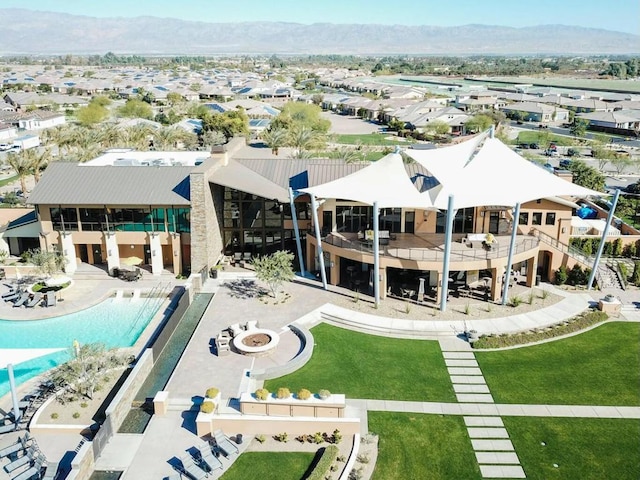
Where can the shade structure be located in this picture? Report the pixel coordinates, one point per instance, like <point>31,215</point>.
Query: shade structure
<point>494,175</point>
<point>385,182</point>
<point>16,356</point>
<point>131,261</point>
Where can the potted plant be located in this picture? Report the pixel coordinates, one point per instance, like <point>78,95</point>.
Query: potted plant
<point>324,394</point>
<point>283,393</point>
<point>261,394</point>
<point>304,394</point>
<point>489,239</point>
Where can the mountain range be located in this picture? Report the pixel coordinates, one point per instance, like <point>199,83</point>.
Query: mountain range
<point>35,32</point>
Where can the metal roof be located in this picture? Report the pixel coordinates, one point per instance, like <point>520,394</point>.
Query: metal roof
<point>77,184</point>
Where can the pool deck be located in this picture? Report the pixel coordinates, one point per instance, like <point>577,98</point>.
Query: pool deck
<point>145,456</point>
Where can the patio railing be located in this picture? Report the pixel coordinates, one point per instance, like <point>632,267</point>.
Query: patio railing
<point>523,244</point>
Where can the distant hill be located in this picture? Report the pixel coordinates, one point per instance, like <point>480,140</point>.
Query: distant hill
<point>34,32</point>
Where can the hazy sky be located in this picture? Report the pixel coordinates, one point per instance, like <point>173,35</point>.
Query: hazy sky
<point>620,15</point>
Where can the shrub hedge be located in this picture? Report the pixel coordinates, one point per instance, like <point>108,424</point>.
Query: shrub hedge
<point>574,324</point>
<point>324,463</point>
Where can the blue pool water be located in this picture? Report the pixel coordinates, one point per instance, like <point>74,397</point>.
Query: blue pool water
<point>116,323</point>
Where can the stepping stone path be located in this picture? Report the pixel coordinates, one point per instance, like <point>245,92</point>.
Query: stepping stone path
<point>490,440</point>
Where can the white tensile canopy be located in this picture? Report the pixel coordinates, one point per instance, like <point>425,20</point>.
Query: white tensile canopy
<point>385,182</point>
<point>495,175</point>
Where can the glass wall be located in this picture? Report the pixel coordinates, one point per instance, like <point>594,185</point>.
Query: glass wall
<point>353,218</point>
<point>122,219</point>
<point>252,224</point>
<point>462,222</point>
<point>65,219</point>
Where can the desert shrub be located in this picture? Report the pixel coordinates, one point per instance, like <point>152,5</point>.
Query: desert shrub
<point>515,301</point>
<point>207,407</point>
<point>262,394</point>
<point>328,456</point>
<point>635,276</point>
<point>362,458</point>
<point>84,405</point>
<point>282,393</point>
<point>561,275</point>
<point>318,437</point>
<point>304,438</point>
<point>54,416</point>
<point>281,437</point>
<point>617,247</point>
<point>261,438</point>
<point>324,394</point>
<point>574,324</point>
<point>76,415</point>
<point>212,392</point>
<point>578,276</point>
<point>337,436</point>
<point>623,270</point>
<point>304,394</point>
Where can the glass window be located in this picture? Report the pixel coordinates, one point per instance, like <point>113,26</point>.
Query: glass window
<point>524,218</point>
<point>179,220</point>
<point>92,219</point>
<point>462,222</point>
<point>65,219</point>
<point>353,218</point>
<point>550,218</point>
<point>390,219</point>
<point>536,218</point>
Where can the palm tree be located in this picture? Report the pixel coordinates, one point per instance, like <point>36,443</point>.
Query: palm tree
<point>138,136</point>
<point>274,139</point>
<point>304,138</point>
<point>38,161</point>
<point>110,135</point>
<point>347,155</point>
<point>21,166</point>
<point>166,138</point>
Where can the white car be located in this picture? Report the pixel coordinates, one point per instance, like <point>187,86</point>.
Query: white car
<point>4,147</point>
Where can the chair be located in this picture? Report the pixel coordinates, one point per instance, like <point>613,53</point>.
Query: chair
<point>30,455</point>
<point>51,472</point>
<point>235,329</point>
<point>35,469</point>
<point>50,299</point>
<point>222,344</point>
<point>237,257</point>
<point>11,296</point>
<point>191,470</point>
<point>36,299</point>
<point>9,427</point>
<point>224,444</point>
<point>24,297</point>
<point>252,325</point>
<point>12,291</point>
<point>207,457</point>
<point>246,256</point>
<point>20,444</point>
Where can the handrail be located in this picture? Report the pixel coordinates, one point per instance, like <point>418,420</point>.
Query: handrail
<point>564,248</point>
<point>425,254</point>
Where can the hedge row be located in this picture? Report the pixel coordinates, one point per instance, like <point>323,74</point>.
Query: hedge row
<point>572,325</point>
<point>324,463</point>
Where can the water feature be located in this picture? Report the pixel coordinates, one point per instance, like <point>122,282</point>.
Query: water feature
<point>138,418</point>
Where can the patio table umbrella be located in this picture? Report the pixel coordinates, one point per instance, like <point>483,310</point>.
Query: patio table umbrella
<point>131,261</point>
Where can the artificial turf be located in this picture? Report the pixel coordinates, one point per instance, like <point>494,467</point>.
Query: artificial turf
<point>598,367</point>
<point>422,447</point>
<point>584,448</point>
<point>370,366</point>
<point>270,466</point>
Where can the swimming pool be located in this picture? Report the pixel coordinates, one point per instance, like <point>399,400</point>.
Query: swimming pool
<point>114,322</point>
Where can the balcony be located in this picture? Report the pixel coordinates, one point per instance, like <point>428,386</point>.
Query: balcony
<point>428,249</point>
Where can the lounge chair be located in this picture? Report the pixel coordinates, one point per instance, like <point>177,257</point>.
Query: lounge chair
<point>30,455</point>
<point>11,292</point>
<point>20,444</point>
<point>224,444</point>
<point>51,472</point>
<point>34,470</point>
<point>11,297</point>
<point>235,329</point>
<point>36,299</point>
<point>191,470</point>
<point>9,427</point>
<point>207,457</point>
<point>21,300</point>
<point>50,299</point>
<point>251,325</point>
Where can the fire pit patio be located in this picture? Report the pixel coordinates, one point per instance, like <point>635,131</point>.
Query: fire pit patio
<point>256,342</point>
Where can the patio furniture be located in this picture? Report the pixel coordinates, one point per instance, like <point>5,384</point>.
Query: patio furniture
<point>21,300</point>
<point>223,346</point>
<point>50,299</point>
<point>223,443</point>
<point>31,454</point>
<point>34,470</point>
<point>237,257</point>
<point>246,256</point>
<point>51,472</point>
<point>20,444</point>
<point>12,296</point>
<point>191,470</point>
<point>251,325</point>
<point>36,299</point>
<point>207,457</point>
<point>235,329</point>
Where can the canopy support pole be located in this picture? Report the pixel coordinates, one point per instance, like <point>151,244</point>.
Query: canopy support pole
<point>294,217</point>
<point>512,246</point>
<point>376,254</point>
<point>14,394</point>
<point>605,232</point>
<point>447,254</point>
<point>320,253</point>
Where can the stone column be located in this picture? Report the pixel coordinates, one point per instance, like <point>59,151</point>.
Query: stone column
<point>69,252</point>
<point>113,253</point>
<point>155,246</point>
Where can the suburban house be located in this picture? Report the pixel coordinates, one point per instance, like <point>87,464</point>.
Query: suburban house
<point>34,120</point>
<point>623,122</point>
<point>537,112</point>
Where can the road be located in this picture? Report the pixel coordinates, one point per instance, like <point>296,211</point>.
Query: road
<point>567,132</point>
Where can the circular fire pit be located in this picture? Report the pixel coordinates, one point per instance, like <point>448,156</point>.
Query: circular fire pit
<point>256,342</point>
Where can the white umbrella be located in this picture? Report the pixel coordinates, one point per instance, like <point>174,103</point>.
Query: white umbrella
<point>131,261</point>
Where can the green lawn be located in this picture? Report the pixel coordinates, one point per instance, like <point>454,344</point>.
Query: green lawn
<point>422,447</point>
<point>531,136</point>
<point>368,139</point>
<point>598,367</point>
<point>368,366</point>
<point>270,466</point>
<point>583,448</point>
<point>8,180</point>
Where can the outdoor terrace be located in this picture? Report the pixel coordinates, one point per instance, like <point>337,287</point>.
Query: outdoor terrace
<point>430,247</point>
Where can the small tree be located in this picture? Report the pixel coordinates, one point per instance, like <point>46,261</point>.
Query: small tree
<point>274,270</point>
<point>87,369</point>
<point>47,263</point>
<point>561,275</point>
<point>635,276</point>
